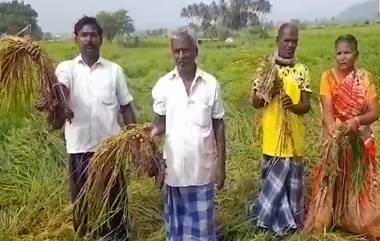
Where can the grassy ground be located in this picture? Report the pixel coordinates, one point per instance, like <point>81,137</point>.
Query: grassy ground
<point>34,202</point>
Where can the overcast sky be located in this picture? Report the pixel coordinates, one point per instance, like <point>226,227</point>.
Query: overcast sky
<point>59,16</point>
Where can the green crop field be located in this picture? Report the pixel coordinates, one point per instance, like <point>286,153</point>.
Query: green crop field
<point>34,200</point>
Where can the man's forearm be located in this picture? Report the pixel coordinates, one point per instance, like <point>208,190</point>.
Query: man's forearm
<point>159,123</point>
<point>128,114</point>
<point>301,109</point>
<point>57,118</point>
<point>304,106</point>
<point>219,132</point>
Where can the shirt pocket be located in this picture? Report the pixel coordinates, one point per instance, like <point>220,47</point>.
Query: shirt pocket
<point>106,95</point>
<point>200,113</point>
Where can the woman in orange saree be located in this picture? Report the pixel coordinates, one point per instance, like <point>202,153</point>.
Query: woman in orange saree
<point>344,182</point>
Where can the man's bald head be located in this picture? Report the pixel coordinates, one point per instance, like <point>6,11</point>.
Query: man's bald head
<point>287,27</point>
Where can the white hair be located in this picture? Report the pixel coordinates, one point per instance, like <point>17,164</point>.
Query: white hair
<point>185,32</point>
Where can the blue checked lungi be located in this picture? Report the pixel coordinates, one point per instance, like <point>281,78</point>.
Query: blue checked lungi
<point>189,213</point>
<point>279,206</point>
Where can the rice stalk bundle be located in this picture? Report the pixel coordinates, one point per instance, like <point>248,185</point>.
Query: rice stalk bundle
<point>266,76</point>
<point>344,169</point>
<point>286,133</point>
<point>24,70</point>
<point>353,172</point>
<point>262,86</point>
<point>104,194</point>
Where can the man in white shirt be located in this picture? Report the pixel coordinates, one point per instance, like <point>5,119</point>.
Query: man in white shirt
<point>96,94</point>
<point>189,111</point>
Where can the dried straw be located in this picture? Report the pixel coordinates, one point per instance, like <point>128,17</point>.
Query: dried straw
<point>132,150</point>
<point>26,69</point>
<point>344,170</point>
<point>266,76</point>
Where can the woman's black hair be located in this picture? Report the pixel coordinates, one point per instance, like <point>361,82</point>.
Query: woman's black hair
<point>349,39</point>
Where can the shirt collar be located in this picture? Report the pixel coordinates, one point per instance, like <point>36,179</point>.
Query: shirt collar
<point>79,59</point>
<point>198,74</point>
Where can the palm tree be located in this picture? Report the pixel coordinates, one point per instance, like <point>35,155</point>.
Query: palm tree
<point>263,8</point>
<point>196,9</point>
<point>190,12</point>
<point>184,13</point>
<point>223,11</point>
<point>214,11</point>
<point>204,15</point>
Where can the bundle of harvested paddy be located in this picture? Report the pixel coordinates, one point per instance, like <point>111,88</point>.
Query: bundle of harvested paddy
<point>24,70</point>
<point>286,139</point>
<point>267,74</point>
<point>337,181</point>
<point>104,194</point>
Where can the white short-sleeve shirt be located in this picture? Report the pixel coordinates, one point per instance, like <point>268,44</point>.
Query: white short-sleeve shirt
<point>96,94</point>
<point>189,141</point>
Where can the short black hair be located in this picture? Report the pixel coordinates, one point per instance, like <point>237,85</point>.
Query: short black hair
<point>85,20</point>
<point>349,39</point>
<point>286,26</point>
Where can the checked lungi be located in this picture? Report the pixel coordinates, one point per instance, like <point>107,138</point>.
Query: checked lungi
<point>279,206</point>
<point>189,213</point>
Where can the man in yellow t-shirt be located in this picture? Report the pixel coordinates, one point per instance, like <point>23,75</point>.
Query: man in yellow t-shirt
<point>279,205</point>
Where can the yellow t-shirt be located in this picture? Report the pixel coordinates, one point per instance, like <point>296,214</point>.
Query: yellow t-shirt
<point>295,79</point>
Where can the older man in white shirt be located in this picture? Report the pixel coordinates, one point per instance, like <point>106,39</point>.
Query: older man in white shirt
<point>96,93</point>
<point>189,111</point>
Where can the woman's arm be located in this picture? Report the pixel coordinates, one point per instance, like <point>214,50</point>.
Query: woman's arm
<point>327,114</point>
<point>371,115</point>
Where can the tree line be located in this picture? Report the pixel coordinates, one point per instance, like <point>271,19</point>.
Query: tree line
<point>231,14</point>
<point>235,14</point>
<point>16,16</point>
